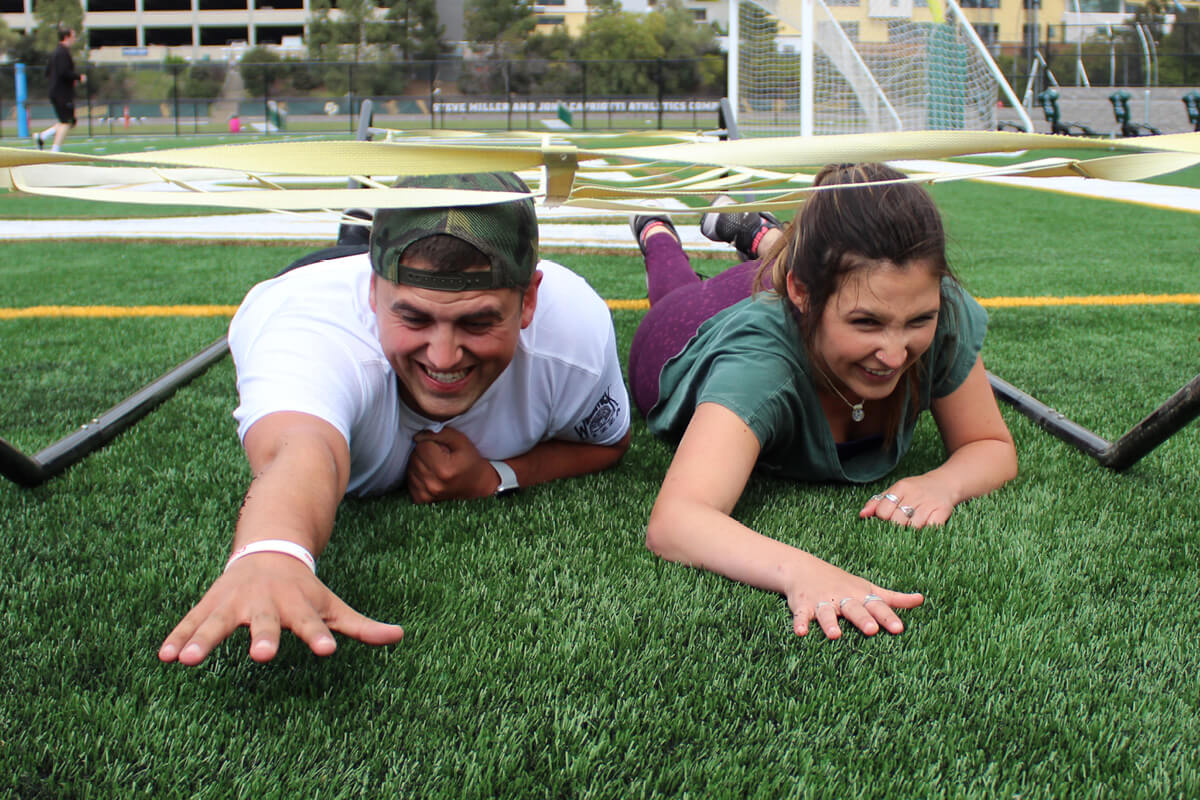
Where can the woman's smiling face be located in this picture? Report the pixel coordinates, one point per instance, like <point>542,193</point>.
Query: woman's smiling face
<point>876,325</point>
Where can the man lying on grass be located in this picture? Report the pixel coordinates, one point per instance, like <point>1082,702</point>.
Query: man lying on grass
<point>443,360</point>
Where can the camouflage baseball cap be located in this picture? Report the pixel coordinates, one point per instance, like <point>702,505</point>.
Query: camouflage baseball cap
<point>507,233</point>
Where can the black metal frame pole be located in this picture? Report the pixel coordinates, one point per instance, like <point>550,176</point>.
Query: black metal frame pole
<point>1158,426</point>
<point>659,63</point>
<point>1048,418</point>
<point>508,91</point>
<point>350,89</point>
<point>434,93</point>
<point>30,471</point>
<point>20,468</point>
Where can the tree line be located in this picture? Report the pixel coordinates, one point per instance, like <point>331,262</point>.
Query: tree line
<point>384,47</point>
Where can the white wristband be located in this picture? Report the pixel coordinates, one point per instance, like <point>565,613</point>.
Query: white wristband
<point>283,546</point>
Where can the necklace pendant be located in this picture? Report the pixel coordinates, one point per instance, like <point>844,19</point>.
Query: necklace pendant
<point>856,413</point>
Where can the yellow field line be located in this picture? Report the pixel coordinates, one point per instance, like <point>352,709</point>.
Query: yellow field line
<point>628,305</point>
<point>1090,300</point>
<point>113,312</point>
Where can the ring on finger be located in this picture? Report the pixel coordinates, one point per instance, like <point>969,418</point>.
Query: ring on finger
<point>892,497</point>
<point>843,601</point>
<point>907,511</point>
<point>876,497</point>
<point>822,604</point>
<point>871,597</point>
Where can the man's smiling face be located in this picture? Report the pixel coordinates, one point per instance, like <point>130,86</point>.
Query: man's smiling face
<point>447,348</point>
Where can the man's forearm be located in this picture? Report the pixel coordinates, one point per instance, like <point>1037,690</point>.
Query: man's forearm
<point>276,507</point>
<point>556,458</point>
<point>297,485</point>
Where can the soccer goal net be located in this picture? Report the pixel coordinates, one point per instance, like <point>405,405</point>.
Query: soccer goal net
<point>880,71</point>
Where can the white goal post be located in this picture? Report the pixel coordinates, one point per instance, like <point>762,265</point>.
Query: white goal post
<point>794,68</point>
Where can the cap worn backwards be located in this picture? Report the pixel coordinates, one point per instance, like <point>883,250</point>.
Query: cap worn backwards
<point>507,233</point>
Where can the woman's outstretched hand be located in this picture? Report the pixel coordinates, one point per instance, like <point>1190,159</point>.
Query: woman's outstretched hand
<point>826,593</point>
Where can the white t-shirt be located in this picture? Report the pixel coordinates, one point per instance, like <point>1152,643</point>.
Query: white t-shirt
<point>307,341</point>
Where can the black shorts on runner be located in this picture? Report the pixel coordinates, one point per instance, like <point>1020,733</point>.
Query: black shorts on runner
<point>64,109</point>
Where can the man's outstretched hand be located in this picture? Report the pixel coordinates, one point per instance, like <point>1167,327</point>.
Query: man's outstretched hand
<point>270,592</point>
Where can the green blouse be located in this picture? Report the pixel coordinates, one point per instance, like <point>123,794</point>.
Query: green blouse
<point>749,359</point>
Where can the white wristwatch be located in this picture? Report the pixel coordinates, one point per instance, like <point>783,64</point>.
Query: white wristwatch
<point>508,478</point>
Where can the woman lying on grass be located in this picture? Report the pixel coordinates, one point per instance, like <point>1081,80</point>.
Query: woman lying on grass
<point>820,378</point>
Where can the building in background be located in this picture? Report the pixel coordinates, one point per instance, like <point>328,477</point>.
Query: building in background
<point>220,30</point>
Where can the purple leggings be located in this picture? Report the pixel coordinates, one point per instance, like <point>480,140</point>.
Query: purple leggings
<point>680,302</point>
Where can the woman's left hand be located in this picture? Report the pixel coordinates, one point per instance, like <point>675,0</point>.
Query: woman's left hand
<point>913,502</point>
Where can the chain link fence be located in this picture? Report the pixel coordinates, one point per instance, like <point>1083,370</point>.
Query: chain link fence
<point>1103,55</point>
<point>305,97</point>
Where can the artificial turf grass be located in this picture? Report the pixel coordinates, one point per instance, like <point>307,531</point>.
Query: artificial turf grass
<point>71,371</point>
<point>548,653</point>
<point>1008,241</point>
<point>138,273</point>
<point>501,691</point>
<point>1109,369</point>
<point>514,694</point>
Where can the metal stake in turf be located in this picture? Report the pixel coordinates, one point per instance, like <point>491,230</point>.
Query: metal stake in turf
<point>30,471</point>
<point>1161,424</point>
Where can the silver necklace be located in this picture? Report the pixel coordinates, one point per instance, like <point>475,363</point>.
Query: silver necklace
<point>856,409</point>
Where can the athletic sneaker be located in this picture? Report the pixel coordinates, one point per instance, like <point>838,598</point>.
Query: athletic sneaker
<point>742,229</point>
<point>638,223</point>
<point>350,233</point>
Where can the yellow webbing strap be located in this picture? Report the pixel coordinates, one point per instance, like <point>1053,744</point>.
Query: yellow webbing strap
<point>776,171</point>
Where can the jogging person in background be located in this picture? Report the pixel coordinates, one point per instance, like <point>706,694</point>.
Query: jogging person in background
<point>62,76</point>
<point>813,364</point>
<point>447,360</point>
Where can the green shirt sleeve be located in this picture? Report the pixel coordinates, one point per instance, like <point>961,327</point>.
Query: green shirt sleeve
<point>962,326</point>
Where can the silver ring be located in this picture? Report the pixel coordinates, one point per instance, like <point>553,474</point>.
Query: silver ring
<point>843,601</point>
<point>876,497</point>
<point>871,597</point>
<point>908,511</point>
<point>822,603</point>
<point>892,497</point>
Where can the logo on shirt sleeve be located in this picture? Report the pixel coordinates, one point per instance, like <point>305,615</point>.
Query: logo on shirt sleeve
<point>603,416</point>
